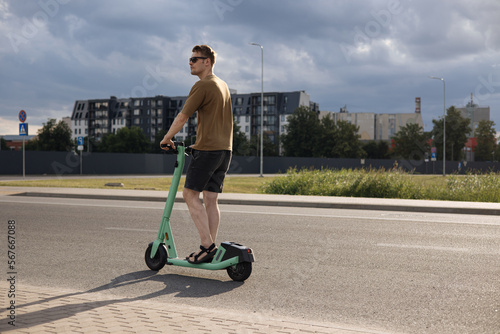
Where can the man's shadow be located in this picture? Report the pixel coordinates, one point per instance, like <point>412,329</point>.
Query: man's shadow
<point>180,286</point>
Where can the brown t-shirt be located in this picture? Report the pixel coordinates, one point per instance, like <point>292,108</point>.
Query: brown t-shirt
<point>211,98</point>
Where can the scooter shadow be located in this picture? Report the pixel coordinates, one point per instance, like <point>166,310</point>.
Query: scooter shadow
<point>181,286</point>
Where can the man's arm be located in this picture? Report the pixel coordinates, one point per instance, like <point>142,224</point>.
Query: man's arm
<point>176,126</point>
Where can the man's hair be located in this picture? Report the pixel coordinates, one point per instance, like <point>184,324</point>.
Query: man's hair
<point>206,51</point>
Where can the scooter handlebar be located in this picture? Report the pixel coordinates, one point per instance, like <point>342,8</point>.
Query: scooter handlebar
<point>175,151</point>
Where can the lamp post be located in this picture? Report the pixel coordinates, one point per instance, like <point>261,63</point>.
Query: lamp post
<point>261,109</point>
<point>444,123</point>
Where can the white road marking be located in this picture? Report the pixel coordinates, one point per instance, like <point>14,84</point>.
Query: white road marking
<point>129,229</point>
<point>439,248</point>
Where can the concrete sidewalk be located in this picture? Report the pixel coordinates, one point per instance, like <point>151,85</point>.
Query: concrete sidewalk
<point>44,310</point>
<point>477,208</point>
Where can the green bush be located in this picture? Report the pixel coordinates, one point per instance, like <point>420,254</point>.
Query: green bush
<point>474,188</point>
<point>351,183</point>
<point>383,184</point>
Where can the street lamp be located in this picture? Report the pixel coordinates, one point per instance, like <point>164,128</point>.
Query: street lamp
<point>444,123</point>
<point>261,109</point>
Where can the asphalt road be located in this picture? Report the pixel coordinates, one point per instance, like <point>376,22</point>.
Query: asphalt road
<point>405,272</point>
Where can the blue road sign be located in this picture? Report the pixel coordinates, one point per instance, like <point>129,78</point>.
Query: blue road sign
<point>80,140</point>
<point>23,129</point>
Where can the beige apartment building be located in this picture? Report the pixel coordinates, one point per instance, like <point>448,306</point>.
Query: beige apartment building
<point>374,126</point>
<point>475,113</point>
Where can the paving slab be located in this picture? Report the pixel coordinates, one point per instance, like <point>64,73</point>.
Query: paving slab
<point>46,310</point>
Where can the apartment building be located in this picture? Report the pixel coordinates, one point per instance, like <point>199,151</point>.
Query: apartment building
<point>383,126</point>
<point>475,113</point>
<point>97,117</point>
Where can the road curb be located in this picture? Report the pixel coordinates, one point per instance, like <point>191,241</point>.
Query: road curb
<point>279,201</point>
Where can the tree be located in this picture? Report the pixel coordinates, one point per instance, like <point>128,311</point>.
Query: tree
<point>3,145</point>
<point>241,145</point>
<point>496,157</point>
<point>307,136</point>
<point>327,137</point>
<point>270,148</point>
<point>348,144</point>
<point>411,142</point>
<point>125,140</point>
<point>302,133</point>
<point>376,149</point>
<point>338,140</point>
<point>457,128</point>
<point>155,146</point>
<point>486,141</point>
<point>53,136</point>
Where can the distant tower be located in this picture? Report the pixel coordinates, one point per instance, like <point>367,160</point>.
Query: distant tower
<point>417,105</point>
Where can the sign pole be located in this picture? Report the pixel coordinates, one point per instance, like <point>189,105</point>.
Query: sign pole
<point>80,148</point>
<point>24,161</point>
<point>23,131</point>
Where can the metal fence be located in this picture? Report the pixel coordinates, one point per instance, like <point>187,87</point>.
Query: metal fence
<point>61,163</point>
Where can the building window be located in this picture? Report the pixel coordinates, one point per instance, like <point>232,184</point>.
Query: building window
<point>137,112</point>
<point>270,100</point>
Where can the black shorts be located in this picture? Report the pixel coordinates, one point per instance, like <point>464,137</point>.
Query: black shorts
<point>207,170</point>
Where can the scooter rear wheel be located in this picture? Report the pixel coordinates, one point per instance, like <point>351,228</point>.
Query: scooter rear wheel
<point>159,260</point>
<point>240,272</point>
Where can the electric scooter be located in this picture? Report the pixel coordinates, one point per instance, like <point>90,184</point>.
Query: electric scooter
<point>235,258</point>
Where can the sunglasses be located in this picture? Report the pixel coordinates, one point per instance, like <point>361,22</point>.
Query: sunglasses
<point>195,59</point>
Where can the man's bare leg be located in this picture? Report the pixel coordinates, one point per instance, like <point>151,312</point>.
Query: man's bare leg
<point>201,218</point>
<point>213,213</point>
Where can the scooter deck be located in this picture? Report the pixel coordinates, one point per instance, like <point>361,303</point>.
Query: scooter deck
<point>207,265</point>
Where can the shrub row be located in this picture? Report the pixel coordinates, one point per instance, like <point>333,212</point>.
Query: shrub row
<point>383,184</point>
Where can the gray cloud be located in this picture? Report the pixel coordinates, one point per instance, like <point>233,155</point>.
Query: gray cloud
<point>374,56</point>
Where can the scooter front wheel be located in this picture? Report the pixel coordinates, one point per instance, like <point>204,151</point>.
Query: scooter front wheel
<point>159,260</point>
<point>240,271</point>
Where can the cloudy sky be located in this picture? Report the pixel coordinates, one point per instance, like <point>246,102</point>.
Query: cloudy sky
<point>373,55</point>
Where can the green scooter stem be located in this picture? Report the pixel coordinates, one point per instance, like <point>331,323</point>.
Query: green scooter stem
<point>165,233</point>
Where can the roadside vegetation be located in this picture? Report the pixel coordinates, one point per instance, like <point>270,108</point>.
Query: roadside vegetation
<point>324,182</point>
<point>383,184</point>
<point>232,184</point>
